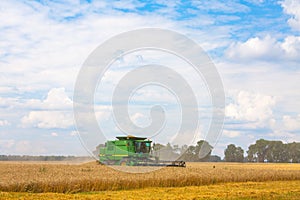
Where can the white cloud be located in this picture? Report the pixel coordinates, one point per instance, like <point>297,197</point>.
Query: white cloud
<point>56,99</point>
<point>140,120</point>
<point>102,113</point>
<point>48,119</point>
<point>53,112</point>
<point>279,80</point>
<point>254,48</point>
<point>39,49</point>
<point>249,106</point>
<point>292,7</point>
<point>6,89</point>
<point>265,49</point>
<point>284,136</point>
<point>291,123</point>
<point>54,134</point>
<point>285,128</point>
<point>8,102</point>
<point>4,123</point>
<point>231,134</point>
<point>291,47</point>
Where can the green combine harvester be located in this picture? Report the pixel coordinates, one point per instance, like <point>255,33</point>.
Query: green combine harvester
<point>132,151</point>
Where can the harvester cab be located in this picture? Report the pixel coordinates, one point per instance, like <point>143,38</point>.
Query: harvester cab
<point>142,147</point>
<point>132,151</point>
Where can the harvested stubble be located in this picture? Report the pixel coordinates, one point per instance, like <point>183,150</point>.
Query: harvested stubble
<point>68,178</point>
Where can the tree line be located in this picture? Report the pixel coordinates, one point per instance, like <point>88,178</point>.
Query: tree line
<point>274,151</point>
<point>261,151</point>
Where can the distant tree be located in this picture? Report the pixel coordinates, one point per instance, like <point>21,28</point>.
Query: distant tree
<point>277,152</point>
<point>215,158</point>
<point>293,150</point>
<point>257,152</point>
<point>183,149</point>
<point>234,154</point>
<point>274,151</point>
<point>188,153</point>
<point>203,151</point>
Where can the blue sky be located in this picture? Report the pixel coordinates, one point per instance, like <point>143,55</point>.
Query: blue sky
<point>254,44</point>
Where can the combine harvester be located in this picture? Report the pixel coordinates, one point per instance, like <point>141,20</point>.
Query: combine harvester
<point>132,151</point>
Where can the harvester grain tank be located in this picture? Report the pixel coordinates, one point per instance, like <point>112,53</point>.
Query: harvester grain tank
<point>132,151</point>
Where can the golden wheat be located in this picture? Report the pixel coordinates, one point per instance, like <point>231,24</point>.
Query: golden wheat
<point>69,178</point>
<point>249,190</point>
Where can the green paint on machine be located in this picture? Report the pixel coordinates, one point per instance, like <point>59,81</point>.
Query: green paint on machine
<point>132,151</point>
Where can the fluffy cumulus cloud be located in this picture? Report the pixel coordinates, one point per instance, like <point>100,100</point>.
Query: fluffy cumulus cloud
<point>292,7</point>
<point>291,123</point>
<point>253,48</point>
<point>52,112</point>
<point>249,106</point>
<point>48,119</point>
<point>291,47</point>
<point>56,99</point>
<point>8,102</point>
<point>270,47</point>
<point>265,48</point>
<point>4,123</point>
<point>56,111</point>
<point>250,114</point>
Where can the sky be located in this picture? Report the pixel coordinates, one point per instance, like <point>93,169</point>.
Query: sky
<point>254,44</point>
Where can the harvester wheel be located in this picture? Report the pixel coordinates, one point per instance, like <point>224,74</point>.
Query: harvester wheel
<point>123,162</point>
<point>182,164</point>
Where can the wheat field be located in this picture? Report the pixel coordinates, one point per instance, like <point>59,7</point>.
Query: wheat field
<point>244,190</point>
<point>90,177</point>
